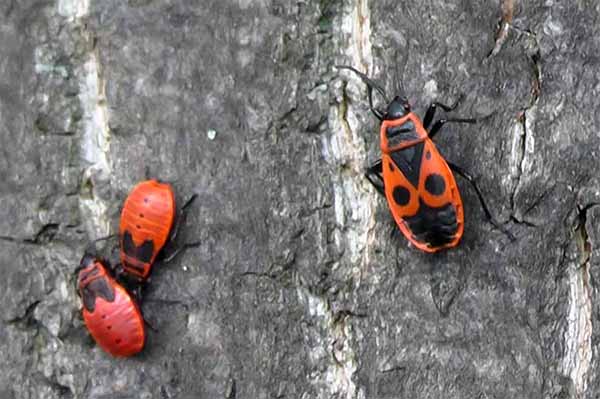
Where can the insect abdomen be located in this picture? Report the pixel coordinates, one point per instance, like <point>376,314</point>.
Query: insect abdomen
<point>435,227</point>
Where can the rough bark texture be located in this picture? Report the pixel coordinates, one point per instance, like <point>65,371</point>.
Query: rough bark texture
<point>300,289</point>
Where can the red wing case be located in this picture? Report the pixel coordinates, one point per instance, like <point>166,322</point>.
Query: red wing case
<point>146,222</point>
<point>111,316</point>
<point>419,186</point>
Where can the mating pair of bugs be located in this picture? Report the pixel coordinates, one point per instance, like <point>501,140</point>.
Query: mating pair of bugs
<point>414,177</point>
<point>112,315</point>
<point>416,180</point>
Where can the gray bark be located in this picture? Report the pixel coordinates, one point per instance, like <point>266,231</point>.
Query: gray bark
<point>300,288</point>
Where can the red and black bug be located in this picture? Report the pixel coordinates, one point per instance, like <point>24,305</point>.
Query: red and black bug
<point>147,224</point>
<point>415,178</point>
<point>111,315</point>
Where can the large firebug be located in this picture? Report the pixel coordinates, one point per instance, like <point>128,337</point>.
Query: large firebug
<point>414,177</point>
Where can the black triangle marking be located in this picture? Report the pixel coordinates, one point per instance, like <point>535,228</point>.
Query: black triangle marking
<point>143,253</point>
<point>97,288</point>
<point>409,160</point>
<point>128,245</point>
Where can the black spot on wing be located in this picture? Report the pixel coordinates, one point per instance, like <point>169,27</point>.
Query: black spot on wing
<point>408,160</point>
<point>128,245</point>
<point>435,184</point>
<point>89,299</point>
<point>102,288</point>
<point>434,226</point>
<point>401,195</point>
<point>97,288</point>
<point>145,251</point>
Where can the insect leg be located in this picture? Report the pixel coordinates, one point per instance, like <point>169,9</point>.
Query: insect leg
<point>180,219</point>
<point>486,210</point>
<point>179,250</point>
<point>374,176</point>
<point>182,216</point>
<point>91,248</point>
<point>433,107</point>
<point>437,126</point>
<point>149,325</point>
<point>137,297</point>
<point>137,294</point>
<point>92,251</point>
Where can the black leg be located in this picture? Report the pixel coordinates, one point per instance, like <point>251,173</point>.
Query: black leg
<point>180,220</point>
<point>486,210</point>
<point>181,217</point>
<point>374,176</point>
<point>437,126</point>
<point>163,257</point>
<point>91,248</point>
<point>370,86</point>
<point>433,107</point>
<point>150,326</point>
<point>179,250</point>
<point>138,300</point>
<point>137,294</point>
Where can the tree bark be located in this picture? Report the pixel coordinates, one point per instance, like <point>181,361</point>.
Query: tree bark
<point>302,286</point>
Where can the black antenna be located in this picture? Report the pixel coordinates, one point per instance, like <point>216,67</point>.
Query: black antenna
<point>368,81</point>
<point>397,81</point>
<point>370,86</point>
<point>91,249</point>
